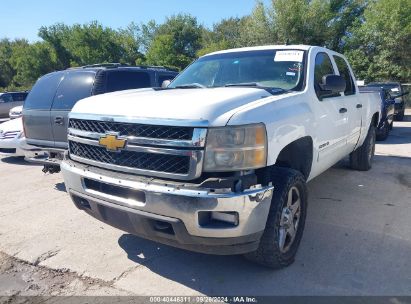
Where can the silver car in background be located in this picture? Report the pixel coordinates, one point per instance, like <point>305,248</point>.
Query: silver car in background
<point>9,100</point>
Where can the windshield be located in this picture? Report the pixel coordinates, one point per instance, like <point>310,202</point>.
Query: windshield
<point>282,69</point>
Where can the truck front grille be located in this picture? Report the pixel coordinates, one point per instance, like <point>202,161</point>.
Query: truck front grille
<point>160,149</point>
<point>130,129</point>
<point>174,164</point>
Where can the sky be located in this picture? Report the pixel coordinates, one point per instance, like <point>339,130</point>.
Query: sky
<point>22,19</point>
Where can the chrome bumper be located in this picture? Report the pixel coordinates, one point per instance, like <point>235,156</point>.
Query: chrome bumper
<point>182,204</point>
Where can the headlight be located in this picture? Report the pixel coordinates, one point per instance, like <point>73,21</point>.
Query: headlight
<point>236,148</point>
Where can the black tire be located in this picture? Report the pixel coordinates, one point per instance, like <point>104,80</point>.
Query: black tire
<point>361,159</point>
<point>269,252</point>
<point>385,132</point>
<point>400,116</point>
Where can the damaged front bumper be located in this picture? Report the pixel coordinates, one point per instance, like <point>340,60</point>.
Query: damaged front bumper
<point>215,221</point>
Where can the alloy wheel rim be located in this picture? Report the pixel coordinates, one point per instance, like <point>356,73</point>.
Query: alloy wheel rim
<point>290,219</point>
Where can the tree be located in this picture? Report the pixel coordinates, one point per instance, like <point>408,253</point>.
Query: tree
<point>30,62</point>
<point>181,36</point>
<point>56,36</point>
<point>92,43</point>
<point>162,52</point>
<point>344,14</point>
<point>378,48</point>
<point>301,21</point>
<point>257,28</point>
<point>6,69</point>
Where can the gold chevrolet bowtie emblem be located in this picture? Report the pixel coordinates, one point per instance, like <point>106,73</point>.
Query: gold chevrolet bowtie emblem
<point>112,143</point>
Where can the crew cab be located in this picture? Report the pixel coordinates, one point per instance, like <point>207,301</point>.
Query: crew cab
<point>218,161</point>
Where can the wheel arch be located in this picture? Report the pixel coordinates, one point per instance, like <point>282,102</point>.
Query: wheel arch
<point>375,119</point>
<point>297,155</point>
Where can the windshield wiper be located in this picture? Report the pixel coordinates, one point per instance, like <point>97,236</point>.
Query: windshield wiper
<point>244,84</point>
<point>271,90</point>
<point>194,85</point>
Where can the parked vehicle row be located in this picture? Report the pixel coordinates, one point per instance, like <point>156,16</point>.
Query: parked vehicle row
<point>395,88</point>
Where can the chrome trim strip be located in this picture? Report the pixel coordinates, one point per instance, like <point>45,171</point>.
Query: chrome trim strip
<point>198,140</point>
<point>149,187</point>
<point>194,172</point>
<point>134,148</point>
<point>142,120</point>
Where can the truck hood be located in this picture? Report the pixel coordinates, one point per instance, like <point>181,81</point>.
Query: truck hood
<point>212,107</point>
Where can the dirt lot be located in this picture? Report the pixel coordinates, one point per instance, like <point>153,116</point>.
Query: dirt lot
<point>357,240</point>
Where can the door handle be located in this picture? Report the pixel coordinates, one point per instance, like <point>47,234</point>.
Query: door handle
<point>343,110</point>
<point>359,106</point>
<point>59,120</point>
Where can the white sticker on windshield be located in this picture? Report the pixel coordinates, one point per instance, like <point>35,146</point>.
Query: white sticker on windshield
<point>290,55</point>
<point>290,74</point>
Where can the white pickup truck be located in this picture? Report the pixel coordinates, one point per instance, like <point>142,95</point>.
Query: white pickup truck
<point>217,162</point>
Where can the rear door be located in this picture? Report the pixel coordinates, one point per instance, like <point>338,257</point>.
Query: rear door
<point>352,102</point>
<point>76,85</point>
<point>36,110</point>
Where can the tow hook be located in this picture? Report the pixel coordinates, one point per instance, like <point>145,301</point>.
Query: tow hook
<point>51,169</point>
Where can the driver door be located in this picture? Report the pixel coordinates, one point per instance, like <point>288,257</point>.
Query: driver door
<point>332,120</point>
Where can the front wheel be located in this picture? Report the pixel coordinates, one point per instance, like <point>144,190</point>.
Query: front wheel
<point>361,159</point>
<point>285,222</point>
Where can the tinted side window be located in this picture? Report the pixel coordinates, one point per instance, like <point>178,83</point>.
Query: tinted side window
<point>163,77</point>
<point>42,94</point>
<point>125,80</point>
<point>345,72</point>
<point>19,96</point>
<point>6,98</point>
<point>75,86</point>
<point>323,66</point>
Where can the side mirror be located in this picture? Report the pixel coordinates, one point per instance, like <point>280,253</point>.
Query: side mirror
<point>331,85</point>
<point>165,83</point>
<point>400,95</point>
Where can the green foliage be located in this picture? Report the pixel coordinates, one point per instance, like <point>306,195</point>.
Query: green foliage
<point>162,52</point>
<point>176,42</point>
<point>374,34</point>
<point>257,28</point>
<point>6,69</point>
<point>378,48</point>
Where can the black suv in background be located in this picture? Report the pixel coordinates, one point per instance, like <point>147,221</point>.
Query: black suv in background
<point>9,100</point>
<point>396,89</point>
<point>45,111</point>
